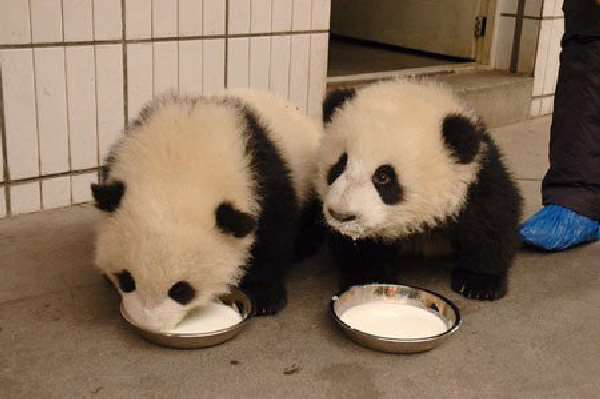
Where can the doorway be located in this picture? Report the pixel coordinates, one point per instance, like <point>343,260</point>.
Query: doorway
<point>388,36</point>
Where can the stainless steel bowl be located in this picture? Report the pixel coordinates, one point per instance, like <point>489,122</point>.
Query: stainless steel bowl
<point>418,297</point>
<point>235,298</point>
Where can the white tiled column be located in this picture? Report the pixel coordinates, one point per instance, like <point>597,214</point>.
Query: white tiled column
<point>547,58</point>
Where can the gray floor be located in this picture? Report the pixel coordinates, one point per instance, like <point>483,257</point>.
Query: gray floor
<point>349,58</point>
<point>61,335</point>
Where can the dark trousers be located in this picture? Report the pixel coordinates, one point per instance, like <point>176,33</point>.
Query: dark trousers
<point>573,180</point>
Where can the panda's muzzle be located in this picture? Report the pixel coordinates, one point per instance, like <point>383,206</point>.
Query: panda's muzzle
<point>341,216</point>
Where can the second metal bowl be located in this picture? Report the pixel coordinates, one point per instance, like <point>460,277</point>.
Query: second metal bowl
<point>402,294</point>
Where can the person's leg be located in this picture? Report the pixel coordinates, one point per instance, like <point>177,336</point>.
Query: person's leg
<point>571,187</point>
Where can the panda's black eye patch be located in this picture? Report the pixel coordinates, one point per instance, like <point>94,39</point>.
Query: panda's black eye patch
<point>182,292</point>
<point>386,183</point>
<point>337,169</point>
<point>126,281</point>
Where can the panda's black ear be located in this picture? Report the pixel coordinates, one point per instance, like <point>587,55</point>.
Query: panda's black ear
<point>108,196</point>
<point>462,137</point>
<point>233,221</point>
<point>334,100</point>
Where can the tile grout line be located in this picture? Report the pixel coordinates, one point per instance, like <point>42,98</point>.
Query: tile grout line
<point>95,98</point>
<point>310,36</point>
<point>125,69</point>
<point>37,116</point>
<point>289,91</point>
<point>153,48</point>
<point>54,175</point>
<point>226,46</point>
<point>69,157</point>
<point>157,39</point>
<point>178,47</point>
<point>6,172</point>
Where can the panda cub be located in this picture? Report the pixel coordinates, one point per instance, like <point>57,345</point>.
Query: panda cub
<point>204,193</point>
<point>406,168</point>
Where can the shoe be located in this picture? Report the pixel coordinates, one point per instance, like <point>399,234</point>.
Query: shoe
<point>555,228</point>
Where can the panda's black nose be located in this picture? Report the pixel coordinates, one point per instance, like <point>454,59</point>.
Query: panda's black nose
<point>341,216</point>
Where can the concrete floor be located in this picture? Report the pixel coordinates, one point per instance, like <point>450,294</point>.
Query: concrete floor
<point>350,57</point>
<point>61,335</point>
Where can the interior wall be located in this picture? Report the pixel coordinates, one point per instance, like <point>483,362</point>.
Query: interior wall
<point>74,71</point>
<point>539,47</point>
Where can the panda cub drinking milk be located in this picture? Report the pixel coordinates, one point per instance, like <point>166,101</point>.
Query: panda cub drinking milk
<point>406,168</point>
<point>204,193</point>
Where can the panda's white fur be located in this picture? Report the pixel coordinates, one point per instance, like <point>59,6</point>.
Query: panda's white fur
<point>435,185</point>
<point>178,165</point>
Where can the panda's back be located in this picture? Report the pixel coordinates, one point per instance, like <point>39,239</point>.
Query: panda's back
<point>186,155</point>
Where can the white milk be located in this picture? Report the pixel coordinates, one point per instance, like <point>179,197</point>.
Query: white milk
<point>393,320</point>
<point>214,316</point>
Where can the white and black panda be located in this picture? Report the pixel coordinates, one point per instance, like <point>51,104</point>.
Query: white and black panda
<point>405,167</point>
<point>204,193</point>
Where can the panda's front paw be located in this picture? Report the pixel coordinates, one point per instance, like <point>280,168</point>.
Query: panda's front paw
<point>266,299</point>
<point>483,287</point>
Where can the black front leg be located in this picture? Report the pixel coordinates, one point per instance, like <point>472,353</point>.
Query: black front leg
<point>264,281</point>
<point>482,268</point>
<point>362,261</point>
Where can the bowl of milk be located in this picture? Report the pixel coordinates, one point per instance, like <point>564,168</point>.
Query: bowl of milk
<point>205,326</point>
<point>395,318</point>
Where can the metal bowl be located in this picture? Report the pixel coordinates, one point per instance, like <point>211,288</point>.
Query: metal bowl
<point>402,294</point>
<point>236,298</point>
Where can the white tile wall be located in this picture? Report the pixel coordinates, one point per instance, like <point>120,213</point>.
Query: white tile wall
<point>109,96</point>
<point>299,66</point>
<point>213,70</point>
<point>280,65</point>
<point>81,102</point>
<point>190,17</point>
<point>317,73</point>
<point>77,20</point>
<point>214,17</point>
<point>166,68</point>
<point>281,15</point>
<point>56,192</point>
<point>536,107</point>
<point>321,10</point>
<point>190,66</point>
<point>46,21</point>
<point>139,19</point>
<point>547,105</point>
<point>552,8</point>
<point>107,20</point>
<point>164,18</point>
<point>239,17</point>
<point>139,77</point>
<point>25,197</point>
<point>20,113</point>
<point>260,62</point>
<point>301,14</point>
<point>14,22</point>
<point>65,105</point>
<point>238,62</point>
<point>260,13</point>
<point>2,201</point>
<point>51,98</point>
<point>80,187</point>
